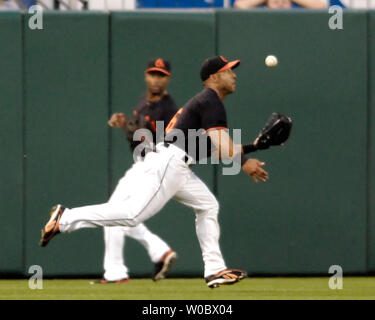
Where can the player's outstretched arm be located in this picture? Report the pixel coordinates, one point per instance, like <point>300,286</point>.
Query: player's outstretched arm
<point>118,120</point>
<point>228,150</point>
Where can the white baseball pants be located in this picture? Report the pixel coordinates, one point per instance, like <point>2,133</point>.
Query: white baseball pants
<point>143,192</point>
<point>114,242</point>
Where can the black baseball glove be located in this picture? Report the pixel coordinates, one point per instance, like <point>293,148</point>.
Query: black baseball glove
<point>275,132</point>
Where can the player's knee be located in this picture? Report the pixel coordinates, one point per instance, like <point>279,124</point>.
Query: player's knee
<point>132,222</point>
<point>212,208</point>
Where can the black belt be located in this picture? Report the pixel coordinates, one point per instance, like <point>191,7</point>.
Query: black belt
<point>185,158</point>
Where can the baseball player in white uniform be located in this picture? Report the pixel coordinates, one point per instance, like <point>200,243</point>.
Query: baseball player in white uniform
<point>166,174</point>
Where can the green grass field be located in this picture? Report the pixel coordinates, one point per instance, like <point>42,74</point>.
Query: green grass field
<point>362,288</point>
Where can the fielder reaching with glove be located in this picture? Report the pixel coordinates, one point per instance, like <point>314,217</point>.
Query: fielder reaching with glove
<point>155,105</point>
<point>166,174</point>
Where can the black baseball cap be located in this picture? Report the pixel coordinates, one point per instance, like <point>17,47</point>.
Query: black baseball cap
<point>159,65</point>
<point>216,64</point>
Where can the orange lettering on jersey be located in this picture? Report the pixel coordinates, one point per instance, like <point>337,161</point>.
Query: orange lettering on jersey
<point>173,121</point>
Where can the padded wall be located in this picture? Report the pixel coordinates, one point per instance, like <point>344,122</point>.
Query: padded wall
<point>59,86</point>
<point>312,212</point>
<point>11,132</point>
<point>66,102</point>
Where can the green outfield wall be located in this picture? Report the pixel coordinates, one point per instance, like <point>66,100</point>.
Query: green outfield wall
<point>66,140</point>
<point>370,143</point>
<point>11,143</point>
<point>59,85</point>
<point>312,213</point>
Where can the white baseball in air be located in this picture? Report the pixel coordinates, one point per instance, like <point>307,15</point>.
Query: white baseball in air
<point>271,61</point>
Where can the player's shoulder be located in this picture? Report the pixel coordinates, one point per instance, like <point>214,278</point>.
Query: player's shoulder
<point>208,97</point>
<point>202,101</point>
<point>206,94</point>
<point>209,100</point>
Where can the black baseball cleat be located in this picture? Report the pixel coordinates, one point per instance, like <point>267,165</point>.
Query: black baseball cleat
<point>162,267</point>
<point>51,228</point>
<point>227,276</point>
<point>105,281</point>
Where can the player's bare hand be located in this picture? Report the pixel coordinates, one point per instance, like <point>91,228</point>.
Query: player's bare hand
<point>253,167</point>
<point>118,120</point>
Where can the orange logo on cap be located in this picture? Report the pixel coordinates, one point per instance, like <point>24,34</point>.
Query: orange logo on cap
<point>222,58</point>
<point>159,63</point>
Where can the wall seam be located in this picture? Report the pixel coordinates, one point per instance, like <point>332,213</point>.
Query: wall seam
<point>24,155</point>
<point>368,146</point>
<point>109,131</point>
